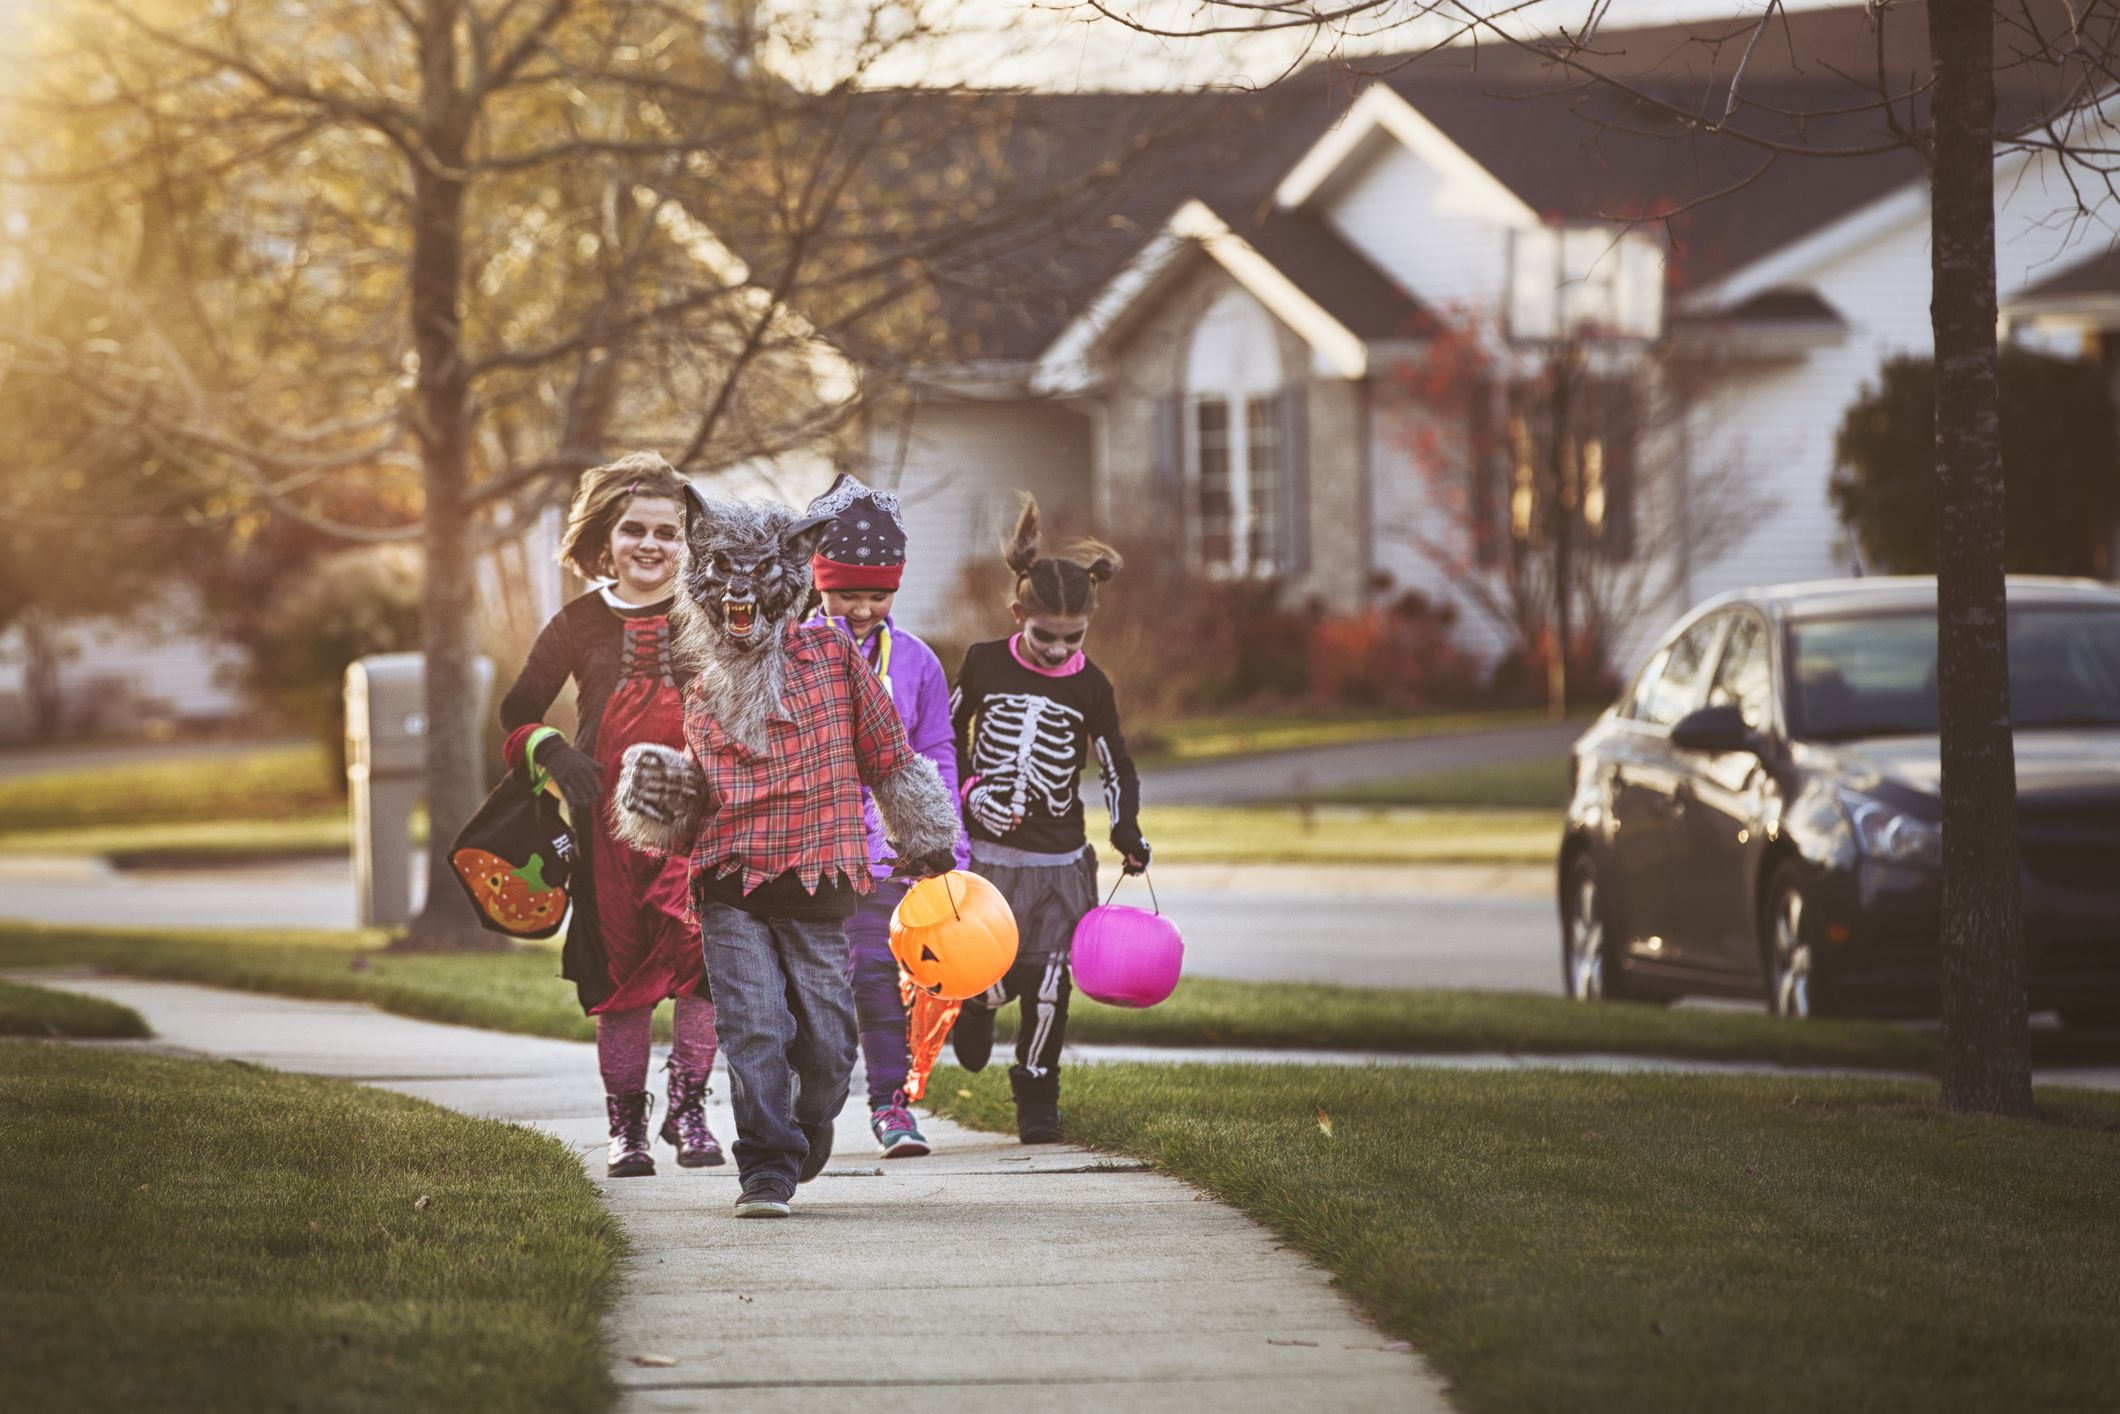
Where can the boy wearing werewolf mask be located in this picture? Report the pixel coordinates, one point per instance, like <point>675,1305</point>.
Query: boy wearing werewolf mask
<point>784,725</point>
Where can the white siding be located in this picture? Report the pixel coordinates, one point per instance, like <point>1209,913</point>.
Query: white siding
<point>1778,421</point>
<point>1430,236</point>
<point>1408,526</point>
<point>964,464</point>
<point>115,677</point>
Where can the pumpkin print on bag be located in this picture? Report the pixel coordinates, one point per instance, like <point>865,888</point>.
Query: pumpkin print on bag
<point>517,900</point>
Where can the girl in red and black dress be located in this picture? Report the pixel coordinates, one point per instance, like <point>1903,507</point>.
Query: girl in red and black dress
<point>631,941</point>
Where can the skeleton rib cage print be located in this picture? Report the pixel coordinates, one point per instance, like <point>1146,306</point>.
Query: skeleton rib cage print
<point>1023,740</point>
<point>1026,750</point>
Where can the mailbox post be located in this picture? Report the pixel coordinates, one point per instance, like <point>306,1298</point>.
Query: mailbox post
<point>386,763</point>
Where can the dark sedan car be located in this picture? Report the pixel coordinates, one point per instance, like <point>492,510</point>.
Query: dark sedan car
<point>1759,812</point>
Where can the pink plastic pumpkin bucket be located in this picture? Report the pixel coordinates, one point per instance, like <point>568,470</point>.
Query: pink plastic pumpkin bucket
<point>1127,957</point>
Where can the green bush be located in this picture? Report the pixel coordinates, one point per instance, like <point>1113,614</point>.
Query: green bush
<point>353,604</point>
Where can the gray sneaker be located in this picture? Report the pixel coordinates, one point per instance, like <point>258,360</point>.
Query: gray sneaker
<point>762,1202</point>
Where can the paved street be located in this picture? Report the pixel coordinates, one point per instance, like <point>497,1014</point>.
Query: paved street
<point>1276,774</point>
<point>1491,929</point>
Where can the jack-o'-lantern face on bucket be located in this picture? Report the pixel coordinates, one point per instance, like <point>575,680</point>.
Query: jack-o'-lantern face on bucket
<point>954,935</point>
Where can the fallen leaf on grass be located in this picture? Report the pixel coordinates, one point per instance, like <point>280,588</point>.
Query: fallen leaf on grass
<point>652,1362</point>
<point>421,1202</point>
<point>1311,1343</point>
<point>964,1094</point>
<point>1592,1134</point>
<point>1656,1327</point>
<point>1325,1121</point>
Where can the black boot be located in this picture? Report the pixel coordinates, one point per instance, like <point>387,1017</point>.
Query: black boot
<point>972,1038</point>
<point>685,1121</point>
<point>1037,1106</point>
<point>630,1156</point>
<point>819,1138</point>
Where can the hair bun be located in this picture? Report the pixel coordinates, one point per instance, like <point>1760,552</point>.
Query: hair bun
<point>1021,551</point>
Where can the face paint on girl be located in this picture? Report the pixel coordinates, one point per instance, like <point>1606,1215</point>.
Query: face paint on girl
<point>863,609</point>
<point>645,540</point>
<point>1049,640</point>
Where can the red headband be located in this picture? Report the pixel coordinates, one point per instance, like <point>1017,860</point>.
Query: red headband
<point>832,574</point>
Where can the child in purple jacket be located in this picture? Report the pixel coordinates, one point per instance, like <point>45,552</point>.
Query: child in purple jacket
<point>858,566</point>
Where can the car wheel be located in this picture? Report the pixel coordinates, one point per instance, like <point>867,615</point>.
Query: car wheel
<point>1795,977</point>
<point>1589,966</point>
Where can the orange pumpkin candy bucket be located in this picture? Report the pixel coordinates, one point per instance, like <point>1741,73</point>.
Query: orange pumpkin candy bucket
<point>954,935</point>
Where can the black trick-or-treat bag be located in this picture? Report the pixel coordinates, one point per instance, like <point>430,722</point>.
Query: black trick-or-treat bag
<point>516,857</point>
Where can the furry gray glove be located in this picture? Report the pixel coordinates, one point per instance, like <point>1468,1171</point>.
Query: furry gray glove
<point>662,798</point>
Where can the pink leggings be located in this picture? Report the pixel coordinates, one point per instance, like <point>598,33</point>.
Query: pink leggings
<point>623,1038</point>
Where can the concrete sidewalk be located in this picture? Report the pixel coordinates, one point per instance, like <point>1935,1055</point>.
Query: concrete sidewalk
<point>1037,1278</point>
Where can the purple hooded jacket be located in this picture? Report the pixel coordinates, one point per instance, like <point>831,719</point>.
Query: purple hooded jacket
<point>921,692</point>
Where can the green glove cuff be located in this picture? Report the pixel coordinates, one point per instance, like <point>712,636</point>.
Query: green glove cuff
<point>539,777</point>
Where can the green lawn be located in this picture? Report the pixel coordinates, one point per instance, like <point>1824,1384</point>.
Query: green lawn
<point>521,991</point>
<point>1599,1242</point>
<point>1209,1011</point>
<point>166,844</point>
<point>1347,834</point>
<point>1205,738</point>
<point>518,991</point>
<point>280,803</point>
<point>39,1011</point>
<point>1539,784</point>
<point>276,784</point>
<point>189,1235</point>
<point>1332,834</point>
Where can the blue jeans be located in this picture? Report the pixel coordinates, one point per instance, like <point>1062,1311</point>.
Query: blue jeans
<point>877,1001</point>
<point>786,1019</point>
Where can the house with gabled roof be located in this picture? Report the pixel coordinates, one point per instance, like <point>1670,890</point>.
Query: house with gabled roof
<point>1216,355</point>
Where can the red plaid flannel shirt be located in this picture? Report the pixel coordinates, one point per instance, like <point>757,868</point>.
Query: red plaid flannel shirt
<point>798,806</point>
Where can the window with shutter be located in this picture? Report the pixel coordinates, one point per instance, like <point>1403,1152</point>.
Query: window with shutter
<point>1235,457</point>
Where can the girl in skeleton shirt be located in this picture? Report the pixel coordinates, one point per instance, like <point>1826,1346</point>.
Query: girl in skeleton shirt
<point>1029,712</point>
<point>631,940</point>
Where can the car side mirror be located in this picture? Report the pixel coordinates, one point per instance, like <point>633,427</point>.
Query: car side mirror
<point>1716,730</point>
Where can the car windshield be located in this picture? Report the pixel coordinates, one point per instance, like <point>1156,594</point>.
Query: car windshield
<point>1875,675</point>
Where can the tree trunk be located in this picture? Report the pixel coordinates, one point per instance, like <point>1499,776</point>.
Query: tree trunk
<point>42,652</point>
<point>1986,1051</point>
<point>453,736</point>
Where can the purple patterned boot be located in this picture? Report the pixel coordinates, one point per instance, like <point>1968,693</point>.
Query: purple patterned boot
<point>630,1156</point>
<point>685,1121</point>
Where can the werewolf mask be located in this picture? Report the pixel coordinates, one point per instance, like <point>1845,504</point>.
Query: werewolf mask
<point>746,573</point>
<point>744,582</point>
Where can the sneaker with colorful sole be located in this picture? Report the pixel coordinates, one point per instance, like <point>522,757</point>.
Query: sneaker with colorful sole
<point>896,1131</point>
